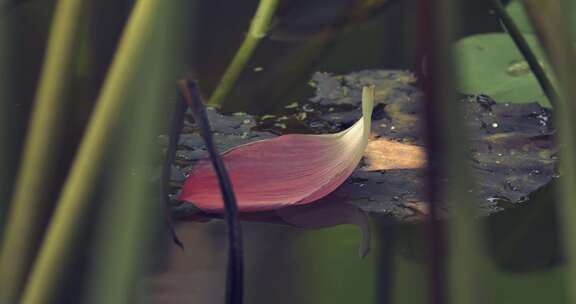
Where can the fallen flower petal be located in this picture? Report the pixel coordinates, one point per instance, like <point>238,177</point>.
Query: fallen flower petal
<point>287,170</point>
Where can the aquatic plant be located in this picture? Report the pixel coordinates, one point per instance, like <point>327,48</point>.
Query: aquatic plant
<point>80,214</point>
<point>287,170</point>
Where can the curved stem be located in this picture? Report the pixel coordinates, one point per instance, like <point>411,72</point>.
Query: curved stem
<point>258,30</point>
<point>526,51</point>
<point>552,28</point>
<point>40,150</point>
<point>73,202</point>
<point>234,278</point>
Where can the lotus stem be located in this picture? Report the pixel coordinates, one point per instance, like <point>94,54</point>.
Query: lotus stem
<point>235,270</point>
<point>28,204</point>
<point>258,30</point>
<point>445,135</point>
<point>537,69</point>
<point>553,31</point>
<point>178,117</point>
<point>73,203</point>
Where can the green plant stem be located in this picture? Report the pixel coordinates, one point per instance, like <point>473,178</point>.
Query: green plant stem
<point>40,152</point>
<point>178,117</point>
<point>72,204</point>
<point>131,208</point>
<point>526,51</point>
<point>446,141</point>
<point>552,29</point>
<point>258,30</point>
<point>8,114</point>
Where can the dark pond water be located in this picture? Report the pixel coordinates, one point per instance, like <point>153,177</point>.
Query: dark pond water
<point>290,265</point>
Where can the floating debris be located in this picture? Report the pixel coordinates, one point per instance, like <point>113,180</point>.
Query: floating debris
<point>512,152</point>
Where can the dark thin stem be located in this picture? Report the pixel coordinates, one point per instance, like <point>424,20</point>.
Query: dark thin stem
<point>175,130</point>
<point>524,48</point>
<point>234,281</point>
<point>432,133</point>
<point>385,263</point>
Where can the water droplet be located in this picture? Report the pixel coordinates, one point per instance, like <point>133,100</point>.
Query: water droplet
<point>485,102</point>
<point>307,108</point>
<point>493,200</point>
<point>497,202</point>
<point>543,119</point>
<point>511,186</point>
<point>518,68</point>
<point>534,172</point>
<point>292,105</point>
<point>316,124</point>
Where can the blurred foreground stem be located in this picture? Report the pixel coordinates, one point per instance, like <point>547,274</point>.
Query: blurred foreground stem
<point>29,203</point>
<point>257,31</point>
<point>447,147</point>
<point>553,30</point>
<point>76,195</point>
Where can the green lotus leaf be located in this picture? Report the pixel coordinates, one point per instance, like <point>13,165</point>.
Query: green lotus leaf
<point>491,64</point>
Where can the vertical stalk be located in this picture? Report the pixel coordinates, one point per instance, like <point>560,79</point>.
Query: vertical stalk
<point>524,48</point>
<point>131,206</point>
<point>7,112</point>
<point>235,268</point>
<point>40,152</point>
<point>445,135</point>
<point>553,30</point>
<point>257,31</point>
<point>132,209</point>
<point>72,204</point>
<point>434,226</point>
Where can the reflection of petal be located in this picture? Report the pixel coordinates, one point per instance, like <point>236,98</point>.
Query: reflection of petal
<point>327,213</point>
<point>286,170</point>
<point>386,154</point>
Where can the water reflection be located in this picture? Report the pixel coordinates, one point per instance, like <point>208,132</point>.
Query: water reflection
<point>286,264</point>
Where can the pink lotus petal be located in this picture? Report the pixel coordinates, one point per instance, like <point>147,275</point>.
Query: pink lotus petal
<point>286,170</point>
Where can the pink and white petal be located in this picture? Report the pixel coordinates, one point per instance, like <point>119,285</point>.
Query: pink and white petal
<point>282,171</point>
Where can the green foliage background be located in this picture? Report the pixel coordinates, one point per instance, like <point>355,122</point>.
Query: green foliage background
<point>87,88</point>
